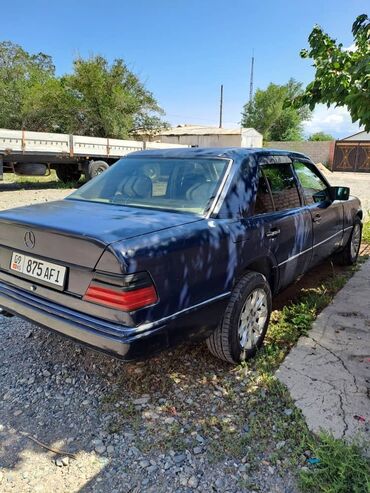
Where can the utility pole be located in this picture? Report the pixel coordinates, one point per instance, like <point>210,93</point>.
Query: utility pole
<point>221,104</point>
<point>251,81</point>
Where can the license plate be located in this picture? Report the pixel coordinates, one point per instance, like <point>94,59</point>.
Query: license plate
<point>38,269</point>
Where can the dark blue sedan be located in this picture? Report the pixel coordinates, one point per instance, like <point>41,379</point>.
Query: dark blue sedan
<point>173,245</point>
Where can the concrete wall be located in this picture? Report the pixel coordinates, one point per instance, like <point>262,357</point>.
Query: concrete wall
<point>319,152</point>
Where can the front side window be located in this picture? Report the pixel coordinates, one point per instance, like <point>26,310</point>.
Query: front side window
<point>182,185</point>
<point>314,188</point>
<point>280,180</point>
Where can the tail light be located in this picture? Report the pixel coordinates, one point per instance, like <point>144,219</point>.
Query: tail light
<point>126,293</point>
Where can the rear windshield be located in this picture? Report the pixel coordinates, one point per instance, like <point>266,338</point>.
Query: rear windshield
<point>183,185</point>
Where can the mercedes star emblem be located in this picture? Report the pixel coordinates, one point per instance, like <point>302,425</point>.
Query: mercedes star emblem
<point>29,239</point>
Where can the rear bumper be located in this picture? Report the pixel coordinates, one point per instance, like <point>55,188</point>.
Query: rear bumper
<point>124,342</point>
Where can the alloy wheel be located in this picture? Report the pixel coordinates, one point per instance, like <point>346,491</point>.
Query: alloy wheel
<point>252,318</point>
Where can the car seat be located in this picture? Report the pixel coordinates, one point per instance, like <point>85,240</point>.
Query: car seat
<point>137,186</point>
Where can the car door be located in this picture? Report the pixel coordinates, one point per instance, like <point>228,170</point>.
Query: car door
<point>285,224</point>
<point>326,215</point>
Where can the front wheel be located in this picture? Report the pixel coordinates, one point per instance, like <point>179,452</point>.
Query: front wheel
<point>349,254</point>
<point>244,325</point>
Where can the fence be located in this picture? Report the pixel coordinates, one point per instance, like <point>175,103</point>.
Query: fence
<point>319,152</point>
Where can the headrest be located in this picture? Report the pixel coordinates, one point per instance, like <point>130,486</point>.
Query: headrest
<point>200,192</point>
<point>139,186</point>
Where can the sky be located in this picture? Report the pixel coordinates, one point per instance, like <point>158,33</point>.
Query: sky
<point>185,49</point>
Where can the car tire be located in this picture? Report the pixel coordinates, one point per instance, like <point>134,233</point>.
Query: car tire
<point>68,173</point>
<point>349,254</point>
<point>96,168</point>
<point>244,324</point>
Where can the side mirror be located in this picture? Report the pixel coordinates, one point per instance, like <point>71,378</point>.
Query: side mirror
<point>339,193</point>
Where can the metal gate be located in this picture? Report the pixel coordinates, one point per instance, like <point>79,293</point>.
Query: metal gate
<point>352,156</point>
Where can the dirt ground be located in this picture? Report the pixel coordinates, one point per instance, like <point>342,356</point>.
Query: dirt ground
<point>12,195</point>
<point>72,420</point>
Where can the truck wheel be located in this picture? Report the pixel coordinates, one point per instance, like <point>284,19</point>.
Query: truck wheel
<point>349,254</point>
<point>152,170</point>
<point>244,324</point>
<point>96,168</point>
<point>68,172</point>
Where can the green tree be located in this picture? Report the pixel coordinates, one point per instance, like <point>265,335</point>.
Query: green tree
<point>320,136</point>
<point>96,99</point>
<point>271,115</point>
<point>112,101</point>
<point>19,73</point>
<point>51,107</point>
<point>342,76</point>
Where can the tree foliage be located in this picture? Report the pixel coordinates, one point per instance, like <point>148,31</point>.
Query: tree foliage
<point>320,136</point>
<point>20,72</point>
<point>97,98</point>
<point>342,76</point>
<point>271,115</point>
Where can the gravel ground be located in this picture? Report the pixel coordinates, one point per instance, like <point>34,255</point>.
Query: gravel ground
<point>150,427</point>
<point>180,422</point>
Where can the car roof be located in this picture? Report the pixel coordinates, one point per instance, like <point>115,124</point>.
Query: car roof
<point>215,152</point>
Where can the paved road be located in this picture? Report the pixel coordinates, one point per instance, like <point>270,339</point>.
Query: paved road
<point>359,184</point>
<point>328,372</point>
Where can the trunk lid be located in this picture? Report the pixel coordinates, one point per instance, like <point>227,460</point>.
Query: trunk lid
<point>75,232</point>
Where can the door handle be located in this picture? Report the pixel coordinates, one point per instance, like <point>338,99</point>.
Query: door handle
<point>316,218</point>
<point>273,233</point>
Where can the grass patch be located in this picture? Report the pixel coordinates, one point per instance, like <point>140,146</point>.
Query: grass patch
<point>366,232</point>
<point>38,182</point>
<point>295,319</point>
<point>342,468</point>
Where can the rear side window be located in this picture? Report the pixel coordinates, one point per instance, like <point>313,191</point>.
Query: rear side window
<point>281,182</point>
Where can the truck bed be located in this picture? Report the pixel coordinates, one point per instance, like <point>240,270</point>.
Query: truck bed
<point>15,142</point>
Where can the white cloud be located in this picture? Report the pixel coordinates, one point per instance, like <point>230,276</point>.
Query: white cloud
<point>333,120</point>
<point>352,47</point>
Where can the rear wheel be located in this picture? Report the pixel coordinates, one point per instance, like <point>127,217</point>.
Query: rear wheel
<point>349,254</point>
<point>244,325</point>
<point>68,172</point>
<point>152,170</point>
<point>96,168</point>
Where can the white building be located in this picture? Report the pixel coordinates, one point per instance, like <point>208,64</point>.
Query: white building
<point>202,136</point>
<point>362,135</point>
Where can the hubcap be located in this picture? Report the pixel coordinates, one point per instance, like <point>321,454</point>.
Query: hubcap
<point>252,318</point>
<point>99,171</point>
<point>355,240</point>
